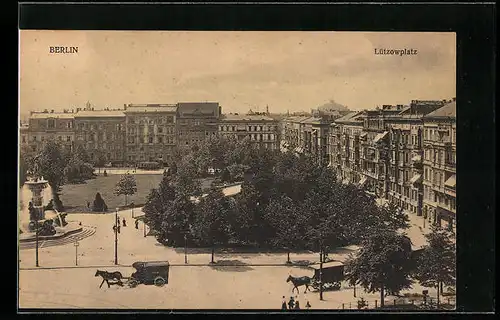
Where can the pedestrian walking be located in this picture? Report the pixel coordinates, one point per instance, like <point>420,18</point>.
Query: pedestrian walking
<point>114,229</point>
<point>136,224</point>
<point>291,303</point>
<point>297,305</point>
<point>308,305</point>
<point>88,205</point>
<point>283,303</point>
<point>118,221</point>
<point>124,222</point>
<point>118,229</point>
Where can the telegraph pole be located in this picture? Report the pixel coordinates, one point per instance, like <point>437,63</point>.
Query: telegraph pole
<point>321,273</point>
<point>185,249</point>
<point>36,240</point>
<point>116,236</point>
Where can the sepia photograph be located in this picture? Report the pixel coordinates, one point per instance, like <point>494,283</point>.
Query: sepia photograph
<point>252,170</point>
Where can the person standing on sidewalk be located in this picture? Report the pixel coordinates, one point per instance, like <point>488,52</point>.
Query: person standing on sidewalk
<point>297,305</point>
<point>283,304</point>
<point>291,303</point>
<point>136,224</point>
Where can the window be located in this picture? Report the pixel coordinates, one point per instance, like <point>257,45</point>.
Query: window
<point>70,125</point>
<point>51,123</point>
<point>24,139</point>
<point>68,138</point>
<point>160,140</point>
<point>160,130</point>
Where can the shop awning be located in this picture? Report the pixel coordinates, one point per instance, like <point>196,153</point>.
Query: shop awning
<point>416,158</point>
<point>380,136</point>
<point>451,182</point>
<point>416,179</point>
<point>362,181</point>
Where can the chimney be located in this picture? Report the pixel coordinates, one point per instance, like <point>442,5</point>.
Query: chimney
<point>52,111</point>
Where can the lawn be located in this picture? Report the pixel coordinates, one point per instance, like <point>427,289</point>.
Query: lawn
<point>75,196</point>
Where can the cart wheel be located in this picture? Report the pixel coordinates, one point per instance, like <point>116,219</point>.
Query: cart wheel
<point>159,282</point>
<point>133,283</point>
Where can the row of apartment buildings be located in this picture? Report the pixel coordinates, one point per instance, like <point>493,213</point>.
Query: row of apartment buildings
<point>144,132</point>
<point>404,154</point>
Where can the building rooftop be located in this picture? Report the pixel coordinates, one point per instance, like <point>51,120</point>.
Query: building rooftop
<point>447,111</point>
<point>246,117</point>
<point>56,115</point>
<point>100,113</point>
<point>140,108</point>
<point>198,108</point>
<point>350,117</point>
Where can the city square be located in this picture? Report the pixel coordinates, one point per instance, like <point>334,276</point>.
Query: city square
<point>65,280</point>
<point>239,181</point>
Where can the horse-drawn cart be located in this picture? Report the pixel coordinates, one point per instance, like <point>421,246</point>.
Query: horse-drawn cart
<point>332,273</point>
<point>154,272</point>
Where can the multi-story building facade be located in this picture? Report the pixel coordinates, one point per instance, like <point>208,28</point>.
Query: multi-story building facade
<point>306,135</point>
<point>45,126</point>
<point>24,136</point>
<point>260,129</point>
<point>439,165</point>
<point>405,155</point>
<point>102,134</point>
<point>150,133</point>
<point>344,147</point>
<point>196,121</point>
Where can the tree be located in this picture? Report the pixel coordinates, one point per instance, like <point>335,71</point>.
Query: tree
<point>77,171</point>
<point>99,204</point>
<point>157,202</point>
<point>394,217</point>
<point>126,186</point>
<point>382,264</point>
<point>436,264</point>
<point>50,164</point>
<point>225,176</point>
<point>176,220</point>
<point>210,224</point>
<point>82,154</point>
<point>288,222</point>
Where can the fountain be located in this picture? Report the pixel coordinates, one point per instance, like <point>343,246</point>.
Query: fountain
<point>52,223</point>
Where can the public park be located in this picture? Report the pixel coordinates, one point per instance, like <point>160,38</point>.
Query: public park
<point>225,226</point>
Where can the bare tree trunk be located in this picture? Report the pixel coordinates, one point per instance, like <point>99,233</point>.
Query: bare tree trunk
<point>382,296</point>
<point>438,292</point>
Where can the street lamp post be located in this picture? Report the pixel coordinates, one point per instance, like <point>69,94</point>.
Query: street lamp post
<point>116,236</point>
<point>144,227</point>
<point>36,242</point>
<point>321,273</point>
<point>76,252</point>
<point>185,249</point>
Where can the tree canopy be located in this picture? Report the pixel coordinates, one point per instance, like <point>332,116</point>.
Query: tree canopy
<point>383,264</point>
<point>126,186</point>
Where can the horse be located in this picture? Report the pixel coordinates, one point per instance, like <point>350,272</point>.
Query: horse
<point>299,281</point>
<point>107,276</point>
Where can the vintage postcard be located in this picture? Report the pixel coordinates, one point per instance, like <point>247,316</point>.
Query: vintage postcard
<point>284,171</point>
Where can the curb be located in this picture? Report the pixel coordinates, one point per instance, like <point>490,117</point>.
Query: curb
<point>171,265</point>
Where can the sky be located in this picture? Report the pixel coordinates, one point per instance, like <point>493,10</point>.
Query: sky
<point>287,71</point>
